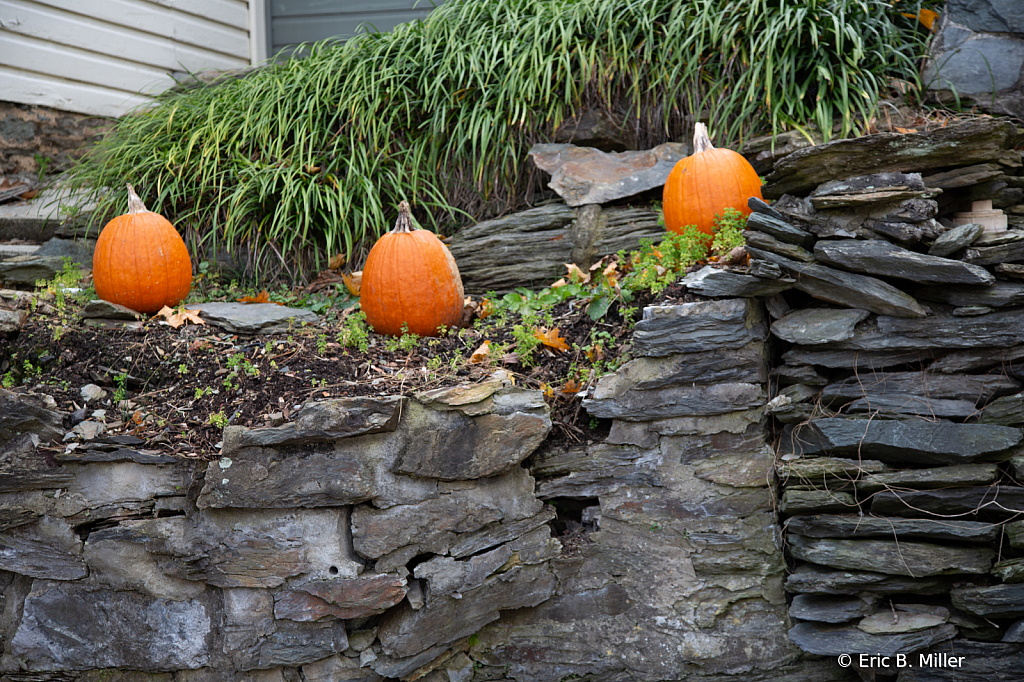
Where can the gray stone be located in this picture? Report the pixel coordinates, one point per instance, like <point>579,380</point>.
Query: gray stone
<point>338,669</point>
<point>850,526</point>
<point>88,429</point>
<point>942,477</point>
<point>582,175</point>
<point>858,200</point>
<point>997,601</point>
<point>765,270</point>
<point>12,320</point>
<point>97,308</point>
<point>21,415</point>
<point>673,402</point>
<point>880,257</point>
<point>992,16</point>
<point>451,446</point>
<point>250,548</point>
<point>896,405</point>
<point>531,248</point>
<point>340,598</point>
<point>1009,570</point>
<point>953,240</point>
<point>405,632</point>
<point>845,288</point>
<point>23,468</point>
<point>92,393</point>
<point>998,295</point>
<point>715,282</point>
<point>698,327</point>
<point>590,471</point>
<point>975,388</point>
<point>900,442</point>
<point>96,455</point>
<point>913,559</point>
<point>834,640</point>
<point>964,176</point>
<point>253,318</point>
<point>973,661</point>
<point>436,524</point>
<point>810,579</point>
<point>869,183</point>
<point>1015,634</point>
<point>814,326</point>
<point>997,502</point>
<point>979,66</point>
<point>853,359</point>
<point>757,205</point>
<point>779,229</point>
<point>1012,252</point>
<point>79,252</point>
<point>27,270</point>
<point>798,374</point>
<point>766,242</point>
<point>971,142</point>
<point>110,629</point>
<point>47,548</point>
<point>829,609</point>
<point>1008,411</point>
<point>592,128</point>
<point>819,470</point>
<point>321,422</point>
<point>1001,329</point>
<point>497,533</point>
<point>819,501</point>
<point>889,624</point>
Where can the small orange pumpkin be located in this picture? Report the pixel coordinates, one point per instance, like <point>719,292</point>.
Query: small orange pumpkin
<point>410,278</point>
<point>141,261</point>
<point>707,182</point>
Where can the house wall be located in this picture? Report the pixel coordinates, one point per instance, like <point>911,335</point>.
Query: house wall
<point>106,57</point>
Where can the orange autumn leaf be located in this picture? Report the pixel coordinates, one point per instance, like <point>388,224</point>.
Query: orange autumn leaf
<point>925,16</point>
<point>486,309</point>
<point>905,131</point>
<point>353,282</point>
<point>551,338</point>
<point>262,297</point>
<point>482,353</point>
<point>595,352</point>
<point>548,390</point>
<point>176,318</point>
<point>577,276</point>
<point>572,386</point>
<point>336,261</point>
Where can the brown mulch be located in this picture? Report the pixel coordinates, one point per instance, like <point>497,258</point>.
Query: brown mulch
<point>179,386</point>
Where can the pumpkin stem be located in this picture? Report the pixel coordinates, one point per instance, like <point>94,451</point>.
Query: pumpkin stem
<point>701,141</point>
<point>404,222</point>
<point>135,204</point>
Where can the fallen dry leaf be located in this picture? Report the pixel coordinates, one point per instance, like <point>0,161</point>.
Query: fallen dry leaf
<point>572,386</point>
<point>595,352</point>
<point>482,353</point>
<point>353,282</point>
<point>262,297</point>
<point>176,318</point>
<point>551,338</point>
<point>905,130</point>
<point>486,309</point>
<point>577,276</point>
<point>336,261</point>
<point>548,391</point>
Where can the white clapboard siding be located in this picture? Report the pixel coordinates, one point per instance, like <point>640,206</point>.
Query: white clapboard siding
<point>103,57</point>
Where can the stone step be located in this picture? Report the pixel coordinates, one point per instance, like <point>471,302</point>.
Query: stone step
<point>13,250</point>
<point>46,216</point>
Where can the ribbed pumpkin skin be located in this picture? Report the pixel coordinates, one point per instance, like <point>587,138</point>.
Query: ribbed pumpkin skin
<point>410,278</point>
<point>141,261</point>
<point>705,183</point>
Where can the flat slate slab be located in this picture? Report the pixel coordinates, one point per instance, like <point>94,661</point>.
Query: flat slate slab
<point>811,579</point>
<point>923,479</point>
<point>714,282</point>
<point>254,318</point>
<point>775,226</point>
<point>845,288</point>
<point>815,326</point>
<point>885,259</point>
<point>584,175</point>
<point>833,640</point>
<point>698,327</point>
<point>829,609</point>
<point>912,559</point>
<point>976,388</point>
<point>992,501</point>
<point>975,141</point>
<point>998,295</point>
<point>899,442</point>
<point>997,601</point>
<point>856,526</point>
<point>999,329</point>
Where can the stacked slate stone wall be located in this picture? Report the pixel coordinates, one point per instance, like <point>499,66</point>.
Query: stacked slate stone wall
<point>442,538</point>
<point>896,395</point>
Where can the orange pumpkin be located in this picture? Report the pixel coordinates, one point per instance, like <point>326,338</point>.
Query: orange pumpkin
<point>411,279</point>
<point>707,182</point>
<point>141,261</point>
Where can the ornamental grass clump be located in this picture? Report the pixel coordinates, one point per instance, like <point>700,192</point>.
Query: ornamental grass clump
<point>305,158</point>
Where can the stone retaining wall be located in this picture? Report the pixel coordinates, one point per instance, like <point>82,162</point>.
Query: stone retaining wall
<point>28,132</point>
<point>439,538</point>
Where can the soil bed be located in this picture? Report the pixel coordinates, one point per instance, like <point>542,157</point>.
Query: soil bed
<point>175,388</point>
